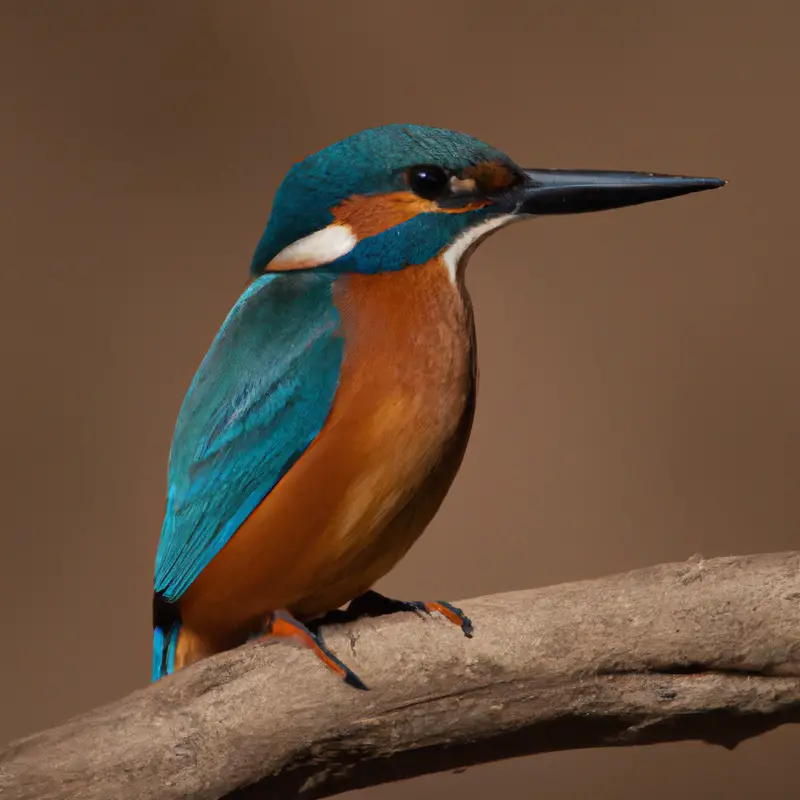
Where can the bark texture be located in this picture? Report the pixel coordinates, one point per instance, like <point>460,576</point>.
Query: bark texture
<point>706,649</point>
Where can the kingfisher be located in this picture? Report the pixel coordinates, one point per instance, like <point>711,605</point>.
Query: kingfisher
<point>332,410</point>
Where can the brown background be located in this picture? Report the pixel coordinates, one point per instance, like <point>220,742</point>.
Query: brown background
<point>639,380</point>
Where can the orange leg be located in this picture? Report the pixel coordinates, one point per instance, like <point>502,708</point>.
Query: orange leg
<point>282,624</point>
<point>374,604</point>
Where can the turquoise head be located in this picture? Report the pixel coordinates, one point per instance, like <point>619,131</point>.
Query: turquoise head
<point>401,195</point>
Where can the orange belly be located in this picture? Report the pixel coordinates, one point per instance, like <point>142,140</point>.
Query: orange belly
<point>369,484</point>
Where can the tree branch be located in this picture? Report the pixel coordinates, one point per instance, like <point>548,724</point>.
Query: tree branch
<point>705,650</point>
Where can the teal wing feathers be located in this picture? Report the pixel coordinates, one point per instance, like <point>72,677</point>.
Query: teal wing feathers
<point>260,397</point>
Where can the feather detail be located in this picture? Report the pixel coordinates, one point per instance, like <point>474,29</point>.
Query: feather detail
<point>368,485</point>
<point>261,395</point>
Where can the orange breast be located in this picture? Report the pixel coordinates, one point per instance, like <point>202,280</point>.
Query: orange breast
<point>368,485</point>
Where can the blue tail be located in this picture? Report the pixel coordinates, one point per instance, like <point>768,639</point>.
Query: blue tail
<point>164,646</point>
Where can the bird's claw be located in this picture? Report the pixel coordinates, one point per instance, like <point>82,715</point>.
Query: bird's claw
<point>374,604</point>
<point>281,624</point>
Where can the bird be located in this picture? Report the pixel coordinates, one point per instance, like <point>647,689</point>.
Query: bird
<point>332,410</point>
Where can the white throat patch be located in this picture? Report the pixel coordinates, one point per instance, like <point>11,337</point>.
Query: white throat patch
<point>454,254</point>
<point>337,240</point>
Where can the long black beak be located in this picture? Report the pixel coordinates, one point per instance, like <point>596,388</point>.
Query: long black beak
<point>567,191</point>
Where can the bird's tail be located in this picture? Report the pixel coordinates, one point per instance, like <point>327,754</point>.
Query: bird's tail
<point>164,645</point>
<point>166,631</point>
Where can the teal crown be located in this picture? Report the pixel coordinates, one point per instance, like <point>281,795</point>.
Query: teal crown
<point>372,162</point>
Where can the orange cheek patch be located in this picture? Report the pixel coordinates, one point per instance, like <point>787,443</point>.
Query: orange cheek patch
<point>369,215</point>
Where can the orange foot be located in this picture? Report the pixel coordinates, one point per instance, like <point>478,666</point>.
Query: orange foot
<point>373,604</point>
<point>282,624</point>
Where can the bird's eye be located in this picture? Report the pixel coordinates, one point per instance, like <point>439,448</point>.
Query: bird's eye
<point>428,181</point>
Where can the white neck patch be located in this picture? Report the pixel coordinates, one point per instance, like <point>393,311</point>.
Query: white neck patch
<point>320,247</point>
<point>453,255</point>
<point>337,240</point>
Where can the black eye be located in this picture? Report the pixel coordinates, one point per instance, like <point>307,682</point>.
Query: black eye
<point>428,181</point>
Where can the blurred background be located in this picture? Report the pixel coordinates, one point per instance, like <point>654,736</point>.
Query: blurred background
<point>639,387</point>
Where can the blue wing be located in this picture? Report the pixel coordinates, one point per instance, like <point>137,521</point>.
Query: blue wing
<point>261,395</point>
